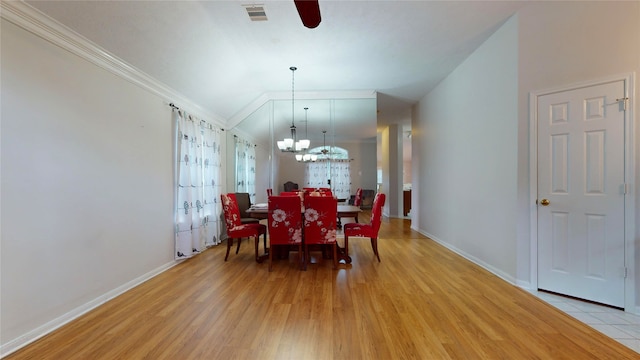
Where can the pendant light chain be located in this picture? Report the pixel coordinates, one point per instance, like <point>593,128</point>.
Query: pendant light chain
<point>292,144</point>
<point>293,72</point>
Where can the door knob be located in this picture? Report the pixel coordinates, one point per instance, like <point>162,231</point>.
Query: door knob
<point>544,202</point>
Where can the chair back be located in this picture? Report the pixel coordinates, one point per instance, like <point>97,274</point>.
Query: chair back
<point>244,203</point>
<point>231,211</point>
<point>269,192</point>
<point>376,212</point>
<point>320,217</point>
<point>357,201</point>
<point>285,220</point>
<point>290,186</point>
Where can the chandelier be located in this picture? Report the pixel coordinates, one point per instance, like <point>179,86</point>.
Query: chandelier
<point>324,150</point>
<point>291,144</point>
<point>306,157</point>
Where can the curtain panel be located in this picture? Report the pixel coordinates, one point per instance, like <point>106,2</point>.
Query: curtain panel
<point>318,174</point>
<point>245,167</point>
<point>197,183</point>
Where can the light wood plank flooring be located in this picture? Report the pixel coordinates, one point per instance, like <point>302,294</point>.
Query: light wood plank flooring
<point>421,302</point>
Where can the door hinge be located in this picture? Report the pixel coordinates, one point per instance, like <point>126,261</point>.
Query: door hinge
<point>625,189</point>
<point>626,272</point>
<point>624,101</point>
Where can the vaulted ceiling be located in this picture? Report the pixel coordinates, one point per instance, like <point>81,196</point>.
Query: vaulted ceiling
<point>215,55</point>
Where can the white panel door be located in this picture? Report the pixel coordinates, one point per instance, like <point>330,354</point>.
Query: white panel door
<point>581,181</point>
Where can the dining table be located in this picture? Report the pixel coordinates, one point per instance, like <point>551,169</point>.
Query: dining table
<point>261,211</point>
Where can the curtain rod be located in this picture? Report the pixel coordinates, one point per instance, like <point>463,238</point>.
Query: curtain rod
<point>173,106</point>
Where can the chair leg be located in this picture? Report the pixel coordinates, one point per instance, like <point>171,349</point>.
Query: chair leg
<point>265,243</point>
<point>229,245</point>
<point>257,242</point>
<point>374,245</point>
<point>346,245</point>
<point>238,248</point>
<point>304,256</point>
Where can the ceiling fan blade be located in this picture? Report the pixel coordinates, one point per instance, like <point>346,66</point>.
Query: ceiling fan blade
<point>309,11</point>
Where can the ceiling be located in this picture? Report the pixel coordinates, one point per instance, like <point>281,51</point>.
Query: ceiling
<point>394,52</point>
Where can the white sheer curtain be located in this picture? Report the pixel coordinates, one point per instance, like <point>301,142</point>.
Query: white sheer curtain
<point>316,174</point>
<point>245,167</point>
<point>341,178</point>
<point>197,181</point>
<point>339,171</point>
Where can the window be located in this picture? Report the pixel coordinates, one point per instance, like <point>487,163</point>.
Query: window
<point>332,169</point>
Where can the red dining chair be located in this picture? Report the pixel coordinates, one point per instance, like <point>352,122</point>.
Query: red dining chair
<point>313,193</point>
<point>236,229</point>
<point>367,230</point>
<point>269,192</point>
<point>244,203</point>
<point>285,224</point>
<point>320,214</point>
<point>357,201</point>
<point>289,193</point>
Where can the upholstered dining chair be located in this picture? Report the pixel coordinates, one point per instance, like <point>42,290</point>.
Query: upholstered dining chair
<point>289,193</point>
<point>285,225</point>
<point>367,230</point>
<point>290,186</point>
<point>244,203</point>
<point>269,192</point>
<point>236,229</point>
<point>357,201</point>
<point>320,217</point>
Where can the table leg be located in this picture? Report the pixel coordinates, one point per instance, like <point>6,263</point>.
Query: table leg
<point>343,253</point>
<point>261,258</point>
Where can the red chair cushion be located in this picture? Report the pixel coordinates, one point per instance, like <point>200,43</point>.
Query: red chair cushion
<point>362,230</point>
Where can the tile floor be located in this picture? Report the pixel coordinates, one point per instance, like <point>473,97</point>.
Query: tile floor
<point>617,324</point>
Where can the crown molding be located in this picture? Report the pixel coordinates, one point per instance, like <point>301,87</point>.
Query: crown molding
<point>39,24</point>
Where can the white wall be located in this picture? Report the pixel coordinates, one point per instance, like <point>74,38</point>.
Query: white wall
<point>86,186</point>
<point>363,165</point>
<point>464,137</point>
<point>391,162</point>
<point>564,43</point>
<point>470,149</point>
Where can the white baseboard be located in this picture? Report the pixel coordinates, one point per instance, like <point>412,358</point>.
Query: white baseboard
<point>499,273</point>
<point>524,285</point>
<point>31,336</point>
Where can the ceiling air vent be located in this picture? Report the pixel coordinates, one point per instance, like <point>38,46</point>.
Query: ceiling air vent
<point>256,13</point>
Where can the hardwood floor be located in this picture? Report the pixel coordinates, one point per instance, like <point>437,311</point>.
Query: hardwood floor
<point>421,302</point>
